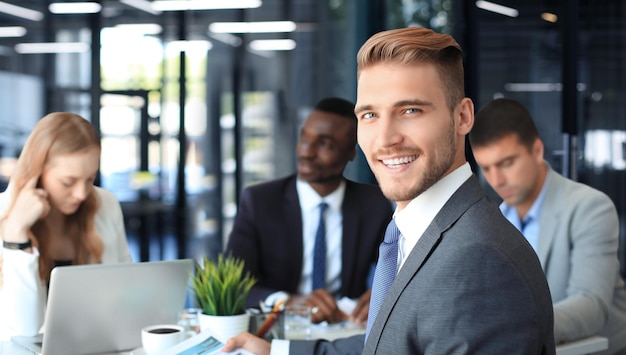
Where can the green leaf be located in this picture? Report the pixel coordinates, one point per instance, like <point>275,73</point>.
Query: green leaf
<point>221,287</point>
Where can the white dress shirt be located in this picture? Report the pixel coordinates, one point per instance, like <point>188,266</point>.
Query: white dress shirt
<point>309,206</point>
<point>413,220</point>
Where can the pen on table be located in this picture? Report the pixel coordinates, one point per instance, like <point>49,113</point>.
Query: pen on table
<point>270,320</point>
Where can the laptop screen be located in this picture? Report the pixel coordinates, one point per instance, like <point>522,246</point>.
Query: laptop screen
<point>102,308</point>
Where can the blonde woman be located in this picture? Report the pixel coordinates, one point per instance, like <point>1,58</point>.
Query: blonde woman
<point>51,214</point>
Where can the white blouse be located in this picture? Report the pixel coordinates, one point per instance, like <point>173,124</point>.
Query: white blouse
<point>22,292</point>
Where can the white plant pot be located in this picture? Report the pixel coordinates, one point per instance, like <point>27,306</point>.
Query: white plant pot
<point>225,327</point>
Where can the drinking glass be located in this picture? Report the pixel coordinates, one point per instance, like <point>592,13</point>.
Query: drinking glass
<point>298,322</point>
<point>190,320</point>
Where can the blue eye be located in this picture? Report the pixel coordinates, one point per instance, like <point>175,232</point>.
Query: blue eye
<point>368,115</point>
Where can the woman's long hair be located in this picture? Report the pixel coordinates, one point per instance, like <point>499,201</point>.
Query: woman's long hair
<point>57,134</point>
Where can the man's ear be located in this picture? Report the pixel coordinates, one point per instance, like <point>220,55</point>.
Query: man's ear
<point>466,117</point>
<point>538,149</point>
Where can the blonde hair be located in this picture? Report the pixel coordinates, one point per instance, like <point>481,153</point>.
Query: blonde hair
<point>412,45</point>
<point>56,134</point>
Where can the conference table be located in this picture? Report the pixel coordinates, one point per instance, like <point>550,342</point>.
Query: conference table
<point>589,345</point>
<point>584,346</point>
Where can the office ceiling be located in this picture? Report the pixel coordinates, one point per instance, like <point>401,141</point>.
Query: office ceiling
<point>501,37</point>
<point>114,12</point>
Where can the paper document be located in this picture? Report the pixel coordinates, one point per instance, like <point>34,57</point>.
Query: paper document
<point>201,344</point>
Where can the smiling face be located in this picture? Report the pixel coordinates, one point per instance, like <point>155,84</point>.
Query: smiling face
<point>406,130</point>
<point>325,146</point>
<point>69,179</point>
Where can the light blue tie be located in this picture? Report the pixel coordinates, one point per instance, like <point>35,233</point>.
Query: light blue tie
<point>319,252</point>
<point>385,272</point>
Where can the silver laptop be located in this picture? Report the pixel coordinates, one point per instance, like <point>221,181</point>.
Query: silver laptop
<point>96,309</point>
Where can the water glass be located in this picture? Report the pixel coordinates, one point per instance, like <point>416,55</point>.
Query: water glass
<point>298,322</point>
<point>189,319</point>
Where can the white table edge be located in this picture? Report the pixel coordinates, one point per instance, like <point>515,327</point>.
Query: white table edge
<point>583,346</point>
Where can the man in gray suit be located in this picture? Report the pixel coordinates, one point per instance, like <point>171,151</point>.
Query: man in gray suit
<point>573,227</point>
<point>467,281</point>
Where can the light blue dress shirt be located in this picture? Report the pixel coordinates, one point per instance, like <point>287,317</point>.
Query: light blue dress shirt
<point>529,226</point>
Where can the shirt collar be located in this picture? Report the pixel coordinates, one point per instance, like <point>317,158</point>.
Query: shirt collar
<point>310,199</point>
<point>429,202</point>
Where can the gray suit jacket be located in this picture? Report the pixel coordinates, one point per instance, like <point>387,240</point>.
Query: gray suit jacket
<point>577,248</point>
<point>471,285</point>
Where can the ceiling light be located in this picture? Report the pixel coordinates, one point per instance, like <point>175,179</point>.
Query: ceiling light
<point>497,8</point>
<point>12,31</point>
<point>273,44</point>
<point>142,5</point>
<point>540,87</point>
<point>20,12</point>
<point>56,47</point>
<point>253,27</point>
<point>550,17</point>
<point>182,5</point>
<point>75,7</point>
<point>141,28</point>
<point>533,87</point>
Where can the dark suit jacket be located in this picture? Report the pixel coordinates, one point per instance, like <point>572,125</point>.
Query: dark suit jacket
<point>471,285</point>
<point>267,234</point>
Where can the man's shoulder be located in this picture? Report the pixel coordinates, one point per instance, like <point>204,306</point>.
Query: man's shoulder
<point>565,189</point>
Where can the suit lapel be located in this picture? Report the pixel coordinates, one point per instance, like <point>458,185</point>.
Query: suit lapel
<point>350,214</point>
<point>550,217</point>
<point>293,227</point>
<point>461,200</point>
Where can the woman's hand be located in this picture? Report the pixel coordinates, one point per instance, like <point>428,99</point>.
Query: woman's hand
<point>31,205</point>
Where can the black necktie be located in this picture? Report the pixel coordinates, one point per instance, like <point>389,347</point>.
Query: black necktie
<point>385,272</point>
<point>319,252</point>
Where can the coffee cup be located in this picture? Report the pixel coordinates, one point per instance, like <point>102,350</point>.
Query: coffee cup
<point>156,338</point>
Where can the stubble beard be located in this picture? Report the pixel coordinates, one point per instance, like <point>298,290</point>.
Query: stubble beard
<point>443,158</point>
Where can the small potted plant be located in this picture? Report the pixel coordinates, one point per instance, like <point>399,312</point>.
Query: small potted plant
<point>221,289</point>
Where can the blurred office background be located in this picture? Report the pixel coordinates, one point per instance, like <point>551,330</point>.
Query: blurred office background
<point>194,101</point>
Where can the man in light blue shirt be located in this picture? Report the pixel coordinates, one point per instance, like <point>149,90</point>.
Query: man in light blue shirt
<point>573,228</point>
<point>529,224</point>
